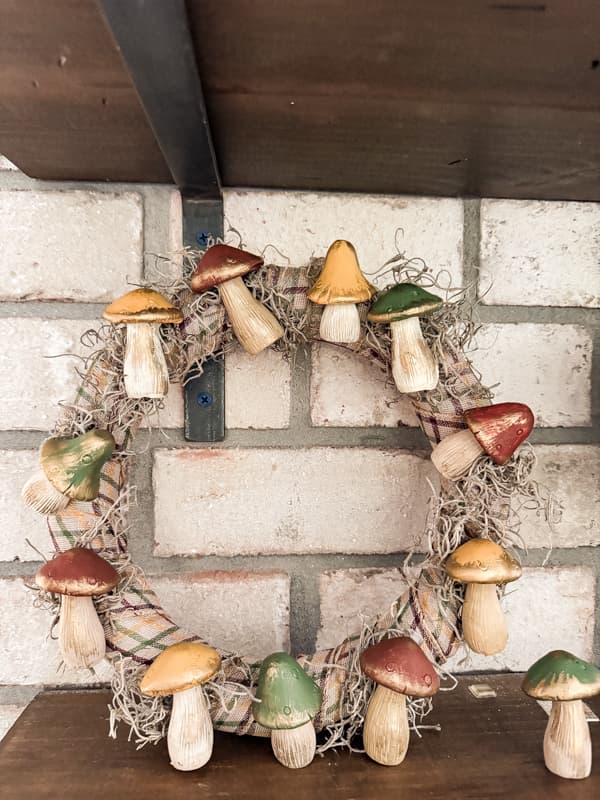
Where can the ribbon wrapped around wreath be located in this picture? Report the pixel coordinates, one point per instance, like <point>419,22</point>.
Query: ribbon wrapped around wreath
<point>137,628</point>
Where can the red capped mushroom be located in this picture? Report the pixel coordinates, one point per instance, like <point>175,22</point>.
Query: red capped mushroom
<point>79,575</point>
<point>400,668</point>
<point>496,430</point>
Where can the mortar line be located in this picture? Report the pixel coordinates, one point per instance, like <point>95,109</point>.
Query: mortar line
<point>471,239</point>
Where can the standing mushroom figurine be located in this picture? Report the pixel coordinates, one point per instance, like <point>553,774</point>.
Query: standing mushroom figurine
<point>180,670</point>
<point>70,470</point>
<point>143,311</point>
<point>289,700</point>
<point>413,366</point>
<point>399,667</point>
<point>79,575</point>
<point>339,287</point>
<point>496,430</point>
<point>566,680</point>
<point>483,565</point>
<point>223,266</point>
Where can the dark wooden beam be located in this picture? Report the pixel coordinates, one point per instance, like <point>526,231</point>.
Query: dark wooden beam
<point>154,39</point>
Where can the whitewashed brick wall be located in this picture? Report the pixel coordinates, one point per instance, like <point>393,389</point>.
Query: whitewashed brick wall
<point>297,524</point>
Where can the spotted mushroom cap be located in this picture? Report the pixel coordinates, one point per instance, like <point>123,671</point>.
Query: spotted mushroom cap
<point>73,466</point>
<point>142,305</point>
<point>399,664</point>
<point>341,280</point>
<point>222,263</point>
<point>482,561</point>
<point>559,675</point>
<point>181,666</point>
<point>500,428</point>
<point>288,696</point>
<point>78,572</point>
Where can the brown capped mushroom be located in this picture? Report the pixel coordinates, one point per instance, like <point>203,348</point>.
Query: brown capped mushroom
<point>79,575</point>
<point>143,311</point>
<point>223,266</point>
<point>400,668</point>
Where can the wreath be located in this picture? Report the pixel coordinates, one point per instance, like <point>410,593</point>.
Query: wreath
<point>85,490</point>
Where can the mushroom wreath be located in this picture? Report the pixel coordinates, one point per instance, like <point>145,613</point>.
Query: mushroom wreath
<point>379,682</point>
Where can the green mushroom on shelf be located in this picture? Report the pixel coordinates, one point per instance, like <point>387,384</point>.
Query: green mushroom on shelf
<point>413,365</point>
<point>566,680</point>
<point>70,470</point>
<point>288,700</point>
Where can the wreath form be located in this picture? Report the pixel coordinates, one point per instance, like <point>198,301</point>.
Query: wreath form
<point>137,629</point>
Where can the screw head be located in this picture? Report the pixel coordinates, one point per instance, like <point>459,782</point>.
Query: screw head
<point>204,399</point>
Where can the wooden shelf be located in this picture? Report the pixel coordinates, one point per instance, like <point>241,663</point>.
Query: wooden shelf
<point>487,750</point>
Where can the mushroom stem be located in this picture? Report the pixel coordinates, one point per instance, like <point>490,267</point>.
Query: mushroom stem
<point>453,456</point>
<point>385,732</point>
<point>80,633</point>
<point>483,624</point>
<point>144,367</point>
<point>295,747</point>
<point>413,365</point>
<point>39,493</point>
<point>567,743</point>
<point>190,736</point>
<point>340,323</point>
<point>253,324</point>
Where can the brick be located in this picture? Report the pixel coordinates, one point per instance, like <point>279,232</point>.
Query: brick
<point>5,164</point>
<point>547,609</point>
<point>320,500</point>
<point>245,612</point>
<point>163,234</point>
<point>536,253</point>
<point>29,655</point>
<point>349,390</point>
<point>17,520</point>
<point>8,716</point>
<point>56,244</point>
<point>572,474</point>
<point>347,596</point>
<point>257,393</point>
<point>303,224</point>
<point>546,366</point>
<point>33,379</point>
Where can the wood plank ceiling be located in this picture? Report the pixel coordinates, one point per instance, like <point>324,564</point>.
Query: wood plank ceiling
<point>472,97</point>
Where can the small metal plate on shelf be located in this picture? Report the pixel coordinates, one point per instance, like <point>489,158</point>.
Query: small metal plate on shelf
<point>590,715</point>
<point>480,691</point>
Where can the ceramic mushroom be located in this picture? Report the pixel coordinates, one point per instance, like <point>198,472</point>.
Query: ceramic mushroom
<point>413,366</point>
<point>70,470</point>
<point>483,565</point>
<point>289,700</point>
<point>180,670</point>
<point>399,668</point>
<point>339,287</point>
<point>223,266</point>
<point>143,311</point>
<point>565,680</point>
<point>79,575</point>
<point>496,430</point>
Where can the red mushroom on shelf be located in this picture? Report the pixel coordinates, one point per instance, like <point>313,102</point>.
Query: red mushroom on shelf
<point>79,575</point>
<point>223,266</point>
<point>496,430</point>
<point>400,668</point>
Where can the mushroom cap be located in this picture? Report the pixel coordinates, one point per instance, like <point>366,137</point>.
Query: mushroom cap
<point>73,466</point>
<point>399,664</point>
<point>500,428</point>
<point>78,572</point>
<point>181,666</point>
<point>222,263</point>
<point>341,280</point>
<point>289,696</point>
<point>402,301</point>
<point>142,305</point>
<point>482,561</point>
<point>559,675</point>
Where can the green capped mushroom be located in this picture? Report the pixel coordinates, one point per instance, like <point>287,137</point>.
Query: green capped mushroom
<point>566,680</point>
<point>413,365</point>
<point>70,471</point>
<point>289,700</point>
